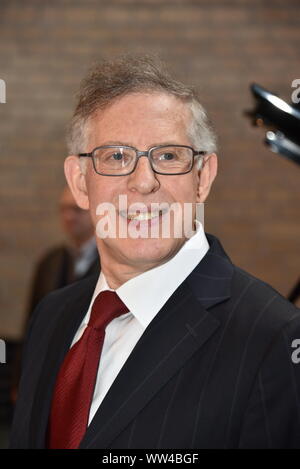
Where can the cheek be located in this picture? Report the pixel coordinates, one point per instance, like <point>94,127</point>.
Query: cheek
<point>103,196</point>
<point>184,190</point>
<point>99,190</point>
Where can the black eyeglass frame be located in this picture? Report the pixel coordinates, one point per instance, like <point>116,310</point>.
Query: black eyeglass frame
<point>139,154</point>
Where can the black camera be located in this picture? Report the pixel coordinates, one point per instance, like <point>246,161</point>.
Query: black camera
<point>280,119</point>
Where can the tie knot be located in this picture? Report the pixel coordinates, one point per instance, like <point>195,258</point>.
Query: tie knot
<point>107,306</point>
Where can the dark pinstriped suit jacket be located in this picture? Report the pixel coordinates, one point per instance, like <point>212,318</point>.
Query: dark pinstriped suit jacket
<point>212,370</point>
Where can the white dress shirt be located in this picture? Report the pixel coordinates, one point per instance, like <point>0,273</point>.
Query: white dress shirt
<point>144,296</point>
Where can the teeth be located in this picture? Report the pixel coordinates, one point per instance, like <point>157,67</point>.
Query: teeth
<point>143,216</point>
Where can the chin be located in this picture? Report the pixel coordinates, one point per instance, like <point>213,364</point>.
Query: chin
<point>151,251</point>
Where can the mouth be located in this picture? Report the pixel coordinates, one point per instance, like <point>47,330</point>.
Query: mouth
<point>141,215</point>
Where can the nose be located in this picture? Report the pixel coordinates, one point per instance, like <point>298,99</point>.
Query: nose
<point>143,179</point>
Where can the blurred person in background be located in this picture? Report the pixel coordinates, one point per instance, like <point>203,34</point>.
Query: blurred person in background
<point>72,260</point>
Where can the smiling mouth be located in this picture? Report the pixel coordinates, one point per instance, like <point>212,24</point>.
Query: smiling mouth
<point>143,215</point>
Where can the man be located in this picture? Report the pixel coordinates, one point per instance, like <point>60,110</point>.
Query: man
<point>75,259</point>
<point>172,346</point>
<point>72,260</point>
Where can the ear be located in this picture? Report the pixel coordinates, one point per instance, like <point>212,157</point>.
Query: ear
<point>76,181</point>
<point>207,174</point>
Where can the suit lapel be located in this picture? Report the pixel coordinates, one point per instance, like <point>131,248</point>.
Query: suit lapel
<point>160,352</point>
<point>211,279</point>
<point>180,328</point>
<point>73,311</point>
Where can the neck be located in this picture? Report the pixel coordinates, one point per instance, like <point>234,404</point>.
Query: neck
<point>118,269</point>
<point>117,273</point>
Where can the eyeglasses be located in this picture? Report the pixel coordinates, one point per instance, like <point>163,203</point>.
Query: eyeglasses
<point>116,160</point>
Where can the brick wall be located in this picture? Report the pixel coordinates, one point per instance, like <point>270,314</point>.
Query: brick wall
<point>221,46</point>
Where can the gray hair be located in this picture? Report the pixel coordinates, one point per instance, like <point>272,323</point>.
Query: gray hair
<point>109,80</point>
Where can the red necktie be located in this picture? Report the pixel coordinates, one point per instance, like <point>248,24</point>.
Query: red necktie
<point>76,379</point>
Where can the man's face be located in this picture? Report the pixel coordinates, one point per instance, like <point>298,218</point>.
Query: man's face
<point>141,121</point>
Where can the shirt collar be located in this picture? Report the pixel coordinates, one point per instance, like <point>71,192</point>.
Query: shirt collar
<point>146,294</point>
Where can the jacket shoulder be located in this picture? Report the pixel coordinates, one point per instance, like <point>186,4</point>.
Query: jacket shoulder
<point>55,303</point>
<point>260,300</point>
